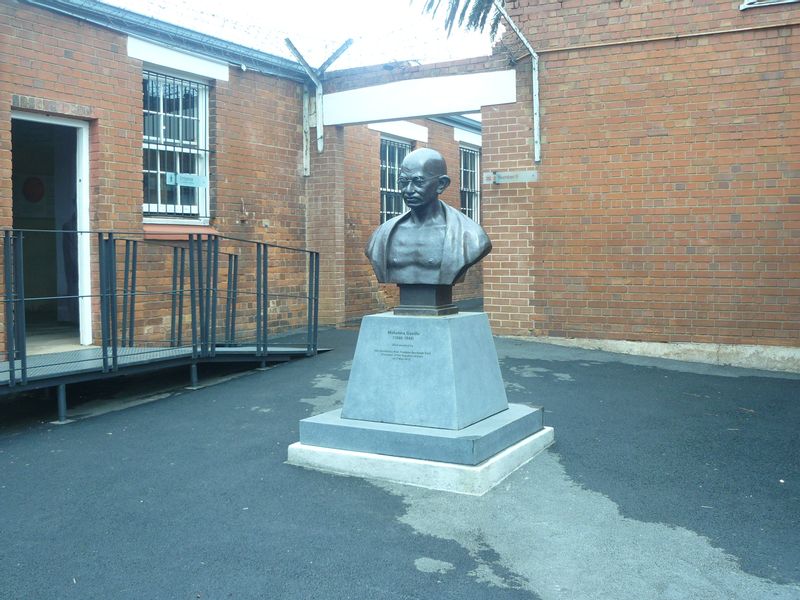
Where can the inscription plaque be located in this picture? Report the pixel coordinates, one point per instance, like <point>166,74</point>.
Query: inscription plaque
<point>403,345</point>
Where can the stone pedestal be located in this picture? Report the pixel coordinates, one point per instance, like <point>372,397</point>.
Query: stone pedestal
<point>425,405</point>
<point>426,371</point>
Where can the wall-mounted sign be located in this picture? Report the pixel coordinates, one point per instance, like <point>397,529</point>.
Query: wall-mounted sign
<point>494,177</point>
<point>187,180</point>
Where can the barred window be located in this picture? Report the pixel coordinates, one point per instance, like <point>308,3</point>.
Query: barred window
<point>470,184</point>
<point>392,155</point>
<point>174,147</point>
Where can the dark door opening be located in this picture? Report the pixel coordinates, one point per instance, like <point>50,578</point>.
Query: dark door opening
<point>44,182</point>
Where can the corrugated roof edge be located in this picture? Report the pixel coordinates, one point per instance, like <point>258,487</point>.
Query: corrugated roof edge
<point>460,122</point>
<point>124,21</point>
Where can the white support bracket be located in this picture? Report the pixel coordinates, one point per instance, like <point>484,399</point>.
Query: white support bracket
<point>316,77</point>
<point>537,135</point>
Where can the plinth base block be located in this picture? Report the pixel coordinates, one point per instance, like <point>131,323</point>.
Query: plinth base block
<point>469,446</point>
<point>474,480</point>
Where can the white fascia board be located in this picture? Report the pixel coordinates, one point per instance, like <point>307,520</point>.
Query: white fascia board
<point>176,60</point>
<point>403,129</point>
<point>468,137</point>
<point>426,97</point>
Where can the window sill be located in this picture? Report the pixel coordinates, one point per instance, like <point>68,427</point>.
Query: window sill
<point>173,232</point>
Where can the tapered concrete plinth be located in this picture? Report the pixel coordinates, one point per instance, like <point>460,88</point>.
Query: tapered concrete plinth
<point>427,371</point>
<point>474,480</point>
<point>425,405</point>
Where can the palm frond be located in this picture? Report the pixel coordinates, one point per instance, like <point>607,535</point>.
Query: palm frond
<point>472,14</point>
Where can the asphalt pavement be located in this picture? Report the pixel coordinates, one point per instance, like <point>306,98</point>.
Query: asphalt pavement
<point>667,480</point>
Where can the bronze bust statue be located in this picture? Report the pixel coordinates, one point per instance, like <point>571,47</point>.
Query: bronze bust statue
<point>433,243</point>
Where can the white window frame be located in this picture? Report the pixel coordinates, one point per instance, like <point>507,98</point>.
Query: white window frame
<point>757,3</point>
<point>389,183</point>
<point>470,182</point>
<point>159,212</point>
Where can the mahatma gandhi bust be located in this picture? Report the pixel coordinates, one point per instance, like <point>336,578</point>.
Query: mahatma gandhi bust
<point>433,243</point>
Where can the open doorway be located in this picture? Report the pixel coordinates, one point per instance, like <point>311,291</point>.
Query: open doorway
<point>45,184</point>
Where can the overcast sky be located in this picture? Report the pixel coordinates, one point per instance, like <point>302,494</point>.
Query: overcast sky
<point>382,30</point>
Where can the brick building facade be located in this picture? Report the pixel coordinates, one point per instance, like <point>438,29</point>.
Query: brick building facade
<point>666,207</point>
<point>666,204</point>
<point>94,66</point>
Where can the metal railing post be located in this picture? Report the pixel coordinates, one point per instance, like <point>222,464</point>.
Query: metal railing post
<point>19,311</point>
<point>8,265</point>
<point>174,293</point>
<point>132,307</point>
<point>230,299</point>
<point>310,305</point>
<point>214,277</point>
<point>259,307</point>
<point>316,300</point>
<point>205,338</point>
<point>111,256</point>
<point>181,294</point>
<point>201,296</point>
<point>125,292</point>
<point>234,297</point>
<point>265,290</point>
<point>62,403</point>
<point>103,271</point>
<point>193,292</point>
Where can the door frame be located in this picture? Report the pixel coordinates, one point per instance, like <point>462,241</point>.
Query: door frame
<point>82,213</point>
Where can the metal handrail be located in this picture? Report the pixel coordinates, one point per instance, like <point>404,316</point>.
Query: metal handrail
<point>149,277</point>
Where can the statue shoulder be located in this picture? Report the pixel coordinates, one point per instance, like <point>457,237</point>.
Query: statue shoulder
<point>381,235</point>
<point>468,226</point>
<point>476,242</point>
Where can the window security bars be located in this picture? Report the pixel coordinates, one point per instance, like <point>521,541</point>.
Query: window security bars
<point>470,184</point>
<point>174,147</point>
<point>392,155</point>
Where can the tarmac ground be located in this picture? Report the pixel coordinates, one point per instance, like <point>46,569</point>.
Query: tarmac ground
<point>667,480</point>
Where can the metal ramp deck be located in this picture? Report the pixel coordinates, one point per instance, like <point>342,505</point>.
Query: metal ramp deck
<point>44,370</point>
<point>156,304</point>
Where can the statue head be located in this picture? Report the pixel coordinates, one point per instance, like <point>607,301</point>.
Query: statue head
<point>423,176</point>
<point>433,244</point>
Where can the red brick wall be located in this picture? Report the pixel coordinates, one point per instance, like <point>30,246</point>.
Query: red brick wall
<point>257,143</point>
<point>325,193</point>
<point>666,206</point>
<point>362,204</point>
<point>567,24</point>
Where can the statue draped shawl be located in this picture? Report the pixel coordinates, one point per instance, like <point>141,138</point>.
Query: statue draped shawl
<point>465,243</point>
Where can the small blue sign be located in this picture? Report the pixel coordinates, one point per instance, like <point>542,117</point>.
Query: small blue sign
<point>187,180</point>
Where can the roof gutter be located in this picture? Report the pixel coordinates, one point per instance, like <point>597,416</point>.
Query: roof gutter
<point>459,122</point>
<point>127,22</point>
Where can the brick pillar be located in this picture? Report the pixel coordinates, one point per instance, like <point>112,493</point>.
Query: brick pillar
<point>325,230</point>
